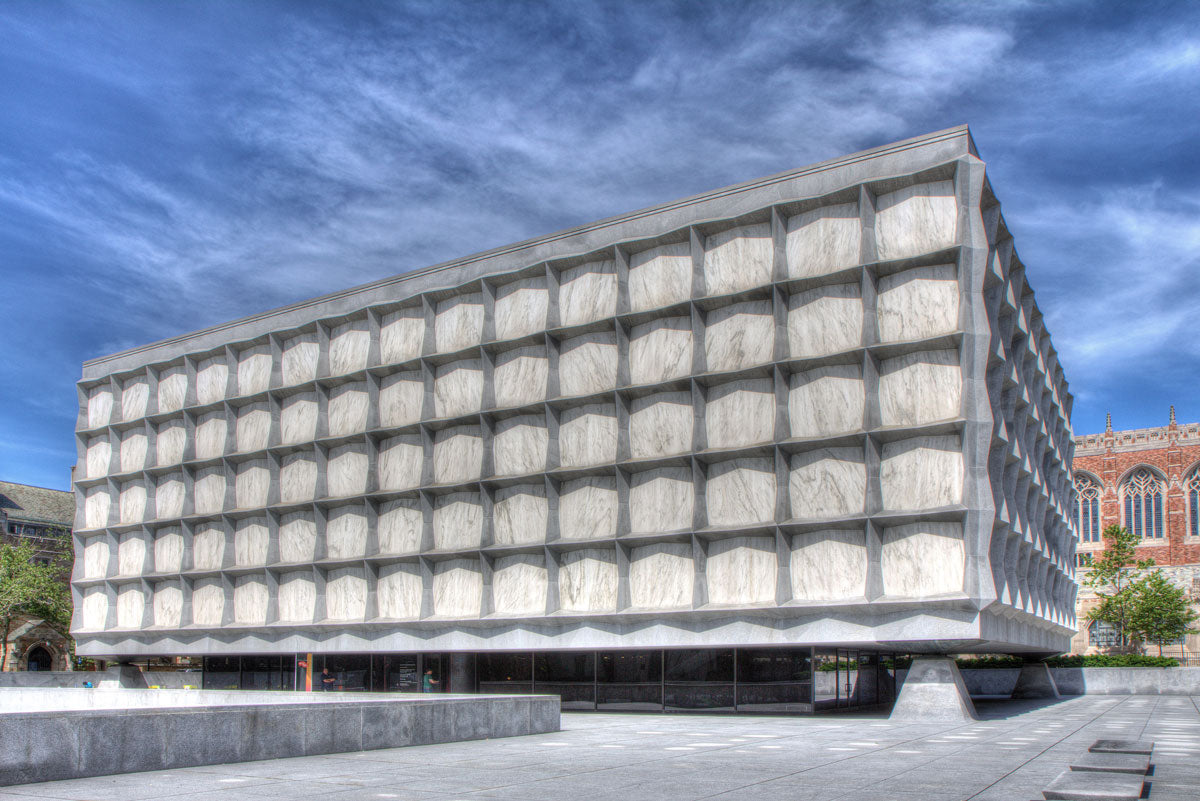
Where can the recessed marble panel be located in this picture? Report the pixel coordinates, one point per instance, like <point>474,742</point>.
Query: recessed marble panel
<point>738,259</point>
<point>922,559</point>
<point>135,398</point>
<point>170,441</point>
<point>95,608</point>
<point>458,323</point>
<point>826,483</point>
<point>168,496</point>
<point>520,515</point>
<point>457,521</point>
<point>298,418</point>
<point>660,350</point>
<point>250,600</point>
<point>919,388</point>
<point>168,604</point>
<point>96,506</point>
<point>661,576</point>
<point>660,425</point>
<point>212,430</point>
<point>254,370</point>
<point>398,591</point>
<point>739,336</point>
<point>99,406</point>
<point>741,570</point>
<point>587,580</point>
<point>253,429</point>
<point>660,276</point>
<point>823,240</point>
<point>825,320</point>
<point>740,492</point>
<point>661,500</point>
<point>587,364</point>
<point>521,308</point>
<point>297,597</point>
<point>916,219</point>
<point>208,602</point>
<point>401,399</point>
<point>297,537</point>
<point>300,356</point>
<point>400,461</point>
<point>829,565</point>
<point>346,470</point>
<point>521,376</point>
<point>918,303</point>
<point>96,556</point>
<point>921,473</point>
<point>346,594</point>
<point>349,347</point>
<point>519,585</point>
<point>99,457</point>
<point>587,508</point>
<point>457,454</point>
<point>587,293</point>
<point>208,491</point>
<point>251,542</point>
<point>587,435</point>
<point>740,413</point>
<point>168,550</point>
<point>519,445</point>
<point>402,335</point>
<point>252,486</point>
<point>346,532</point>
<point>212,379</point>
<point>826,401</point>
<point>133,501</point>
<point>131,606</point>
<point>131,554</point>
<point>457,588</point>
<point>172,389</point>
<point>208,547</point>
<point>134,447</point>
<point>458,388</point>
<point>400,526</point>
<point>349,405</point>
<point>298,478</point>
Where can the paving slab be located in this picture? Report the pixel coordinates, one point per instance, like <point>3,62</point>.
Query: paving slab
<point>1137,764</point>
<point>1084,786</point>
<point>1145,747</point>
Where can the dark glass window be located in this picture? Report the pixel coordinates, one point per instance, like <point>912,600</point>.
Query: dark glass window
<point>396,673</point>
<point>569,675</point>
<point>262,673</point>
<point>698,679</point>
<point>774,680</point>
<point>630,680</point>
<point>350,672</point>
<point>505,673</point>
<point>222,673</point>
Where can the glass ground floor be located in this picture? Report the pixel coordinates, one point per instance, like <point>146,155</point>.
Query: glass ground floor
<point>798,679</point>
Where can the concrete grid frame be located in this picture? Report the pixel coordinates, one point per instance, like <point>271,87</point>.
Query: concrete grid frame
<point>816,408</point>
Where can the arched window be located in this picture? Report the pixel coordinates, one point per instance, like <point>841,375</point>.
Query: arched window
<point>39,659</point>
<point>1142,502</point>
<point>1087,508</point>
<point>1192,488</point>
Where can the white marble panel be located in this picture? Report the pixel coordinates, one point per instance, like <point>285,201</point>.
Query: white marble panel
<point>521,376</point>
<point>823,240</point>
<point>587,508</point>
<point>131,554</point>
<point>95,608</point>
<point>253,431</point>
<point>829,565</point>
<point>250,600</point>
<point>172,389</point>
<point>660,276</point>
<point>170,441</point>
<point>96,506</point>
<point>587,364</point>
<point>346,532</point>
<point>919,388</point>
<point>131,606</point>
<point>458,388</point>
<point>918,303</point>
<point>134,447</point>
<point>457,521</point>
<point>830,482</point>
<point>661,576</point>
<point>298,418</point>
<point>519,445</point>
<point>400,462</point>
<point>740,413</point>
<point>135,398</point>
<point>459,323</point>
<point>297,597</point>
<point>212,429</point>
<point>208,547</point>
<point>519,585</point>
<point>349,347</point>
<point>298,478</point>
<point>212,379</point>
<point>402,335</point>
<point>254,370</point>
<point>922,559</point>
<point>826,401</point>
<point>133,502</point>
<point>208,602</point>
<point>660,425</point>
<point>99,406</point>
<point>921,473</point>
<point>297,537</point>
<point>739,336</point>
<point>587,292</point>
<point>741,570</point>
<point>520,515</point>
<point>587,435</point>
<point>99,457</point>
<point>661,499</point>
<point>401,399</point>
<point>398,592</point>
<point>168,550</point>
<point>824,320</point>
<point>348,408</point>
<point>346,594</point>
<point>660,350</point>
<point>346,470</point>
<point>251,542</point>
<point>587,581</point>
<point>400,526</point>
<point>740,492</point>
<point>168,496</point>
<point>457,454</point>
<point>521,308</point>
<point>300,356</point>
<point>168,604</point>
<point>457,588</point>
<point>96,553</point>
<point>738,259</point>
<point>252,486</point>
<point>915,220</point>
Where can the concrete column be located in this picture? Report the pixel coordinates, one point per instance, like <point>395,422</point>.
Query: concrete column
<point>462,674</point>
<point>1035,681</point>
<point>933,691</point>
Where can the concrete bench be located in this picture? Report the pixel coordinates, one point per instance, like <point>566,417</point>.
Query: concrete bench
<point>1072,785</point>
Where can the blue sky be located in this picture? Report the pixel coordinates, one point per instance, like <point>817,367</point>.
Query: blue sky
<point>167,166</point>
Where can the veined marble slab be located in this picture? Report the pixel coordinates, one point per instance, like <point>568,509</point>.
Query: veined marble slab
<point>253,430</point>
<point>349,405</point>
<point>298,418</point>
<point>919,388</point>
<point>297,597</point>
<point>134,447</point>
<point>826,483</point>
<point>398,591</point>
<point>300,356</point>
<point>741,570</point>
<point>521,308</point>
<point>133,501</point>
<point>587,364</point>
<point>401,398</point>
<point>740,413</point>
<point>739,336</point>
<point>402,335</point>
<point>168,496</point>
<point>826,401</point>
<point>457,521</point>
<point>921,559</point>
<point>458,588</point>
<point>661,576</point>
<point>400,526</point>
<point>519,585</point>
<point>251,542</point>
<point>346,471</point>
<point>829,565</point>
<point>254,370</point>
<point>252,486</point>
<point>458,388</point>
<point>297,537</point>
<point>208,490</point>
<point>95,608</point>
<point>825,320</point>
<point>660,276</point>
<point>135,399</point>
<point>95,558</point>
<point>250,600</point>
<point>587,435</point>
<point>660,425</point>
<point>346,594</point>
<point>918,303</point>
<point>737,259</point>
<point>96,506</point>
<point>587,508</point>
<point>172,389</point>
<point>349,347</point>
<point>99,456</point>
<point>131,606</point>
<point>660,350</point>
<point>921,473</point>
<point>212,429</point>
<point>131,554</point>
<point>212,378</point>
<point>208,547</point>
<point>168,603</point>
<point>520,515</point>
<point>915,220</point>
<point>587,292</point>
<point>170,441</point>
<point>458,323</point>
<point>298,478</point>
<point>208,602</point>
<point>519,445</point>
<point>400,462</point>
<point>99,407</point>
<point>168,550</point>
<point>587,580</point>
<point>346,532</point>
<point>521,376</point>
<point>823,240</point>
<point>740,492</point>
<point>661,499</point>
<point>457,454</point>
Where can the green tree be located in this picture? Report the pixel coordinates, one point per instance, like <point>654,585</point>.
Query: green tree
<point>1112,574</point>
<point>30,588</point>
<point>1161,613</point>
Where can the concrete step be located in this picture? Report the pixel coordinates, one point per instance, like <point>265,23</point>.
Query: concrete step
<point>1071,785</point>
<point>1122,747</point>
<point>1136,764</point>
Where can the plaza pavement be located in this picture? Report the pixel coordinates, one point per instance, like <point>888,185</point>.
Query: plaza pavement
<point>1010,755</point>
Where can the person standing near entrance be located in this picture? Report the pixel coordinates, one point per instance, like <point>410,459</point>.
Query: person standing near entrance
<point>427,682</point>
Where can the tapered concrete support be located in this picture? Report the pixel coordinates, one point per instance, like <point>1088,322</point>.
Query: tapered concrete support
<point>1035,681</point>
<point>933,692</point>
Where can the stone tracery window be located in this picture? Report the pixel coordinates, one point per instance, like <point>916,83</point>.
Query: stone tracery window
<point>1192,488</point>
<point>1087,508</point>
<point>1142,502</point>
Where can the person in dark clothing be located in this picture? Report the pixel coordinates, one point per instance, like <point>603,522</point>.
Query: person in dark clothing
<point>328,680</point>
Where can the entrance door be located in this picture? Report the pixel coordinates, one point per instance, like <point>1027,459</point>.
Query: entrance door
<point>39,659</point>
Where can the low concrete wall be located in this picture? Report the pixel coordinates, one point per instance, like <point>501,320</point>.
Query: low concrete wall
<point>45,746</point>
<point>1127,681</point>
<point>175,679</point>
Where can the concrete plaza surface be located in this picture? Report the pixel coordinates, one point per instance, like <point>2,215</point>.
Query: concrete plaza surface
<point>1011,755</point>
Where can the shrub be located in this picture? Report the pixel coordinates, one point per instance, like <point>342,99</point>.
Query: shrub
<point>1112,660</point>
